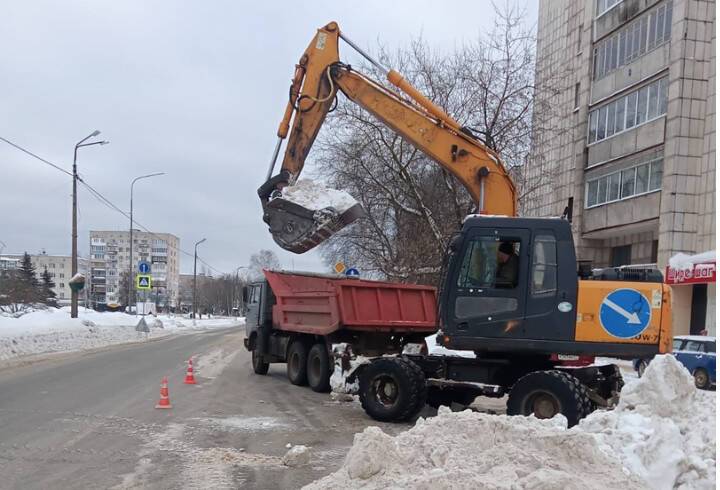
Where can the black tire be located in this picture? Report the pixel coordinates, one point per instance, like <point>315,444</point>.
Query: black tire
<point>642,366</point>
<point>259,366</point>
<point>318,368</point>
<point>297,363</point>
<point>392,389</point>
<point>702,379</point>
<point>547,393</point>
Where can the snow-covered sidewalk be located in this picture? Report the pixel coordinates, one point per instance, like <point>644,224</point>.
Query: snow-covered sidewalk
<point>52,330</point>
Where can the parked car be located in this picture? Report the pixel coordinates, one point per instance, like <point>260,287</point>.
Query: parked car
<point>696,353</point>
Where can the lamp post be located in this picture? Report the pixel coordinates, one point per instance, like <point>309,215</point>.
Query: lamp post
<point>2,247</point>
<point>194,311</point>
<point>131,271</point>
<point>74,267</point>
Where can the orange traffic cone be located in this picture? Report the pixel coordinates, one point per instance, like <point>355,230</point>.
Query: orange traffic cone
<point>164,395</point>
<point>190,377</point>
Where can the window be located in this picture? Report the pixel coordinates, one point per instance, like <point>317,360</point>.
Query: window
<point>642,106</point>
<point>639,37</point>
<point>579,38</point>
<point>610,120</point>
<point>592,193</point>
<point>627,182</point>
<point>62,284</point>
<point>592,135</point>
<point>631,110</point>
<point>619,115</point>
<point>490,263</point>
<point>653,101</point>
<point>602,117</point>
<point>544,272</point>
<point>677,343</point>
<point>654,252</point>
<point>620,255</point>
<point>662,96</point>
<point>656,171</point>
<point>694,346</point>
<point>634,181</point>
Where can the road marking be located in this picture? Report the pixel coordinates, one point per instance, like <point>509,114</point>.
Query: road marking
<point>632,318</point>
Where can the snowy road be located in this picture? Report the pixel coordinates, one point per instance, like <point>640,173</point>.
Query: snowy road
<point>86,420</point>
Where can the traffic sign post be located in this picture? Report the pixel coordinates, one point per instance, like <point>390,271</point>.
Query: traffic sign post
<point>625,313</point>
<point>144,282</point>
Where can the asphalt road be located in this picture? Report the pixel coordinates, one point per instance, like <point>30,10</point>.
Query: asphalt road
<point>87,420</point>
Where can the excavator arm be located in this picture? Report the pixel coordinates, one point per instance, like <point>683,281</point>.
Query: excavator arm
<point>318,76</point>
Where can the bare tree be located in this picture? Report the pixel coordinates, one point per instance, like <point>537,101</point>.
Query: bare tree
<point>264,259</point>
<point>413,205</point>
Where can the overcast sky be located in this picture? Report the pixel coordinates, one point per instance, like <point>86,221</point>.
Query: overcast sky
<point>191,88</point>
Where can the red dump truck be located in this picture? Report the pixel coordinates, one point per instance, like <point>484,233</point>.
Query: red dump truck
<point>296,318</point>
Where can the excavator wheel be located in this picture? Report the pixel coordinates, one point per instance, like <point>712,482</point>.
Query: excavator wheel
<point>547,393</point>
<point>298,229</point>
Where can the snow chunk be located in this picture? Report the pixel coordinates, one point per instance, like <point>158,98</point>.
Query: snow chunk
<point>297,456</point>
<point>438,350</point>
<point>312,195</point>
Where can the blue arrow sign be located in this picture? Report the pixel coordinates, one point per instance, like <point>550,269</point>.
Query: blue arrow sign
<point>352,272</point>
<point>625,313</point>
<point>144,267</point>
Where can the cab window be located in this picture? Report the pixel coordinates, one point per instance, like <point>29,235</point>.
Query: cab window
<point>694,346</point>
<point>490,262</point>
<point>677,344</point>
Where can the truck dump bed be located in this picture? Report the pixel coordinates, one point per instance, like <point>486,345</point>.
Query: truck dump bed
<point>319,304</point>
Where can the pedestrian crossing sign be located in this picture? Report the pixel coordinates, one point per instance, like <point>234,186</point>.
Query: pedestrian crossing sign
<point>144,281</point>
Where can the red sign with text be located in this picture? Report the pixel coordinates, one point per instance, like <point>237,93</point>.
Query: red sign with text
<point>694,274</point>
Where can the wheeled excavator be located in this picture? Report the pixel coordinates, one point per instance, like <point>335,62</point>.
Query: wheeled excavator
<point>527,334</point>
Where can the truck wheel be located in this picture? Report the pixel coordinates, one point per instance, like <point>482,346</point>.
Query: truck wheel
<point>297,363</point>
<point>259,366</point>
<point>318,368</point>
<point>547,393</point>
<point>392,389</point>
<point>702,380</point>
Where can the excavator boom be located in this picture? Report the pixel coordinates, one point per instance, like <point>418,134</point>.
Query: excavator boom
<point>318,76</point>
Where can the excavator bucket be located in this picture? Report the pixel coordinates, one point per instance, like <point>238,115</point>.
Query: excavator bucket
<point>299,229</point>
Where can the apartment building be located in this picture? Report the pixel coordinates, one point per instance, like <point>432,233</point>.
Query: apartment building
<point>58,266</point>
<point>632,135</point>
<point>110,263</point>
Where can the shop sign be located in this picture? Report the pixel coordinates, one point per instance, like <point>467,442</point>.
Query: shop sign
<point>694,274</point>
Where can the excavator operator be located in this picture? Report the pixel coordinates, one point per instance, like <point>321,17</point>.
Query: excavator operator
<point>506,275</point>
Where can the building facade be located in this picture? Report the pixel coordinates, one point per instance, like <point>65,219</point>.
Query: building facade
<point>632,140</point>
<point>58,266</point>
<point>109,264</point>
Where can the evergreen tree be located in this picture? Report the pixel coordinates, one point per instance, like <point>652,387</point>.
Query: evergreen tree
<point>28,287</point>
<point>48,295</point>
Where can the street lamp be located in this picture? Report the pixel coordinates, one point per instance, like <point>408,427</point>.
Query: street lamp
<point>195,280</point>
<point>79,144</point>
<point>131,271</point>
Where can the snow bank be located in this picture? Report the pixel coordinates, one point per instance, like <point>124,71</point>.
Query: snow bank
<point>312,195</point>
<point>52,330</point>
<point>684,261</point>
<point>661,435</point>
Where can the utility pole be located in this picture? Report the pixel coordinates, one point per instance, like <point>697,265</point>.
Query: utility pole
<point>131,268</point>
<point>74,268</point>
<point>194,311</point>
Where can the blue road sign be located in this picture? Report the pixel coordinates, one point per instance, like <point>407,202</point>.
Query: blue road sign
<point>625,313</point>
<point>352,271</point>
<point>144,267</point>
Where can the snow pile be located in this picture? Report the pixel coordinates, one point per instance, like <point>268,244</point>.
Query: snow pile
<point>468,450</point>
<point>312,195</point>
<point>661,436</point>
<point>663,429</point>
<point>685,261</point>
<point>52,330</point>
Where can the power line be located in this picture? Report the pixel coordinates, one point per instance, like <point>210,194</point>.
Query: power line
<point>36,156</point>
<point>97,195</point>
